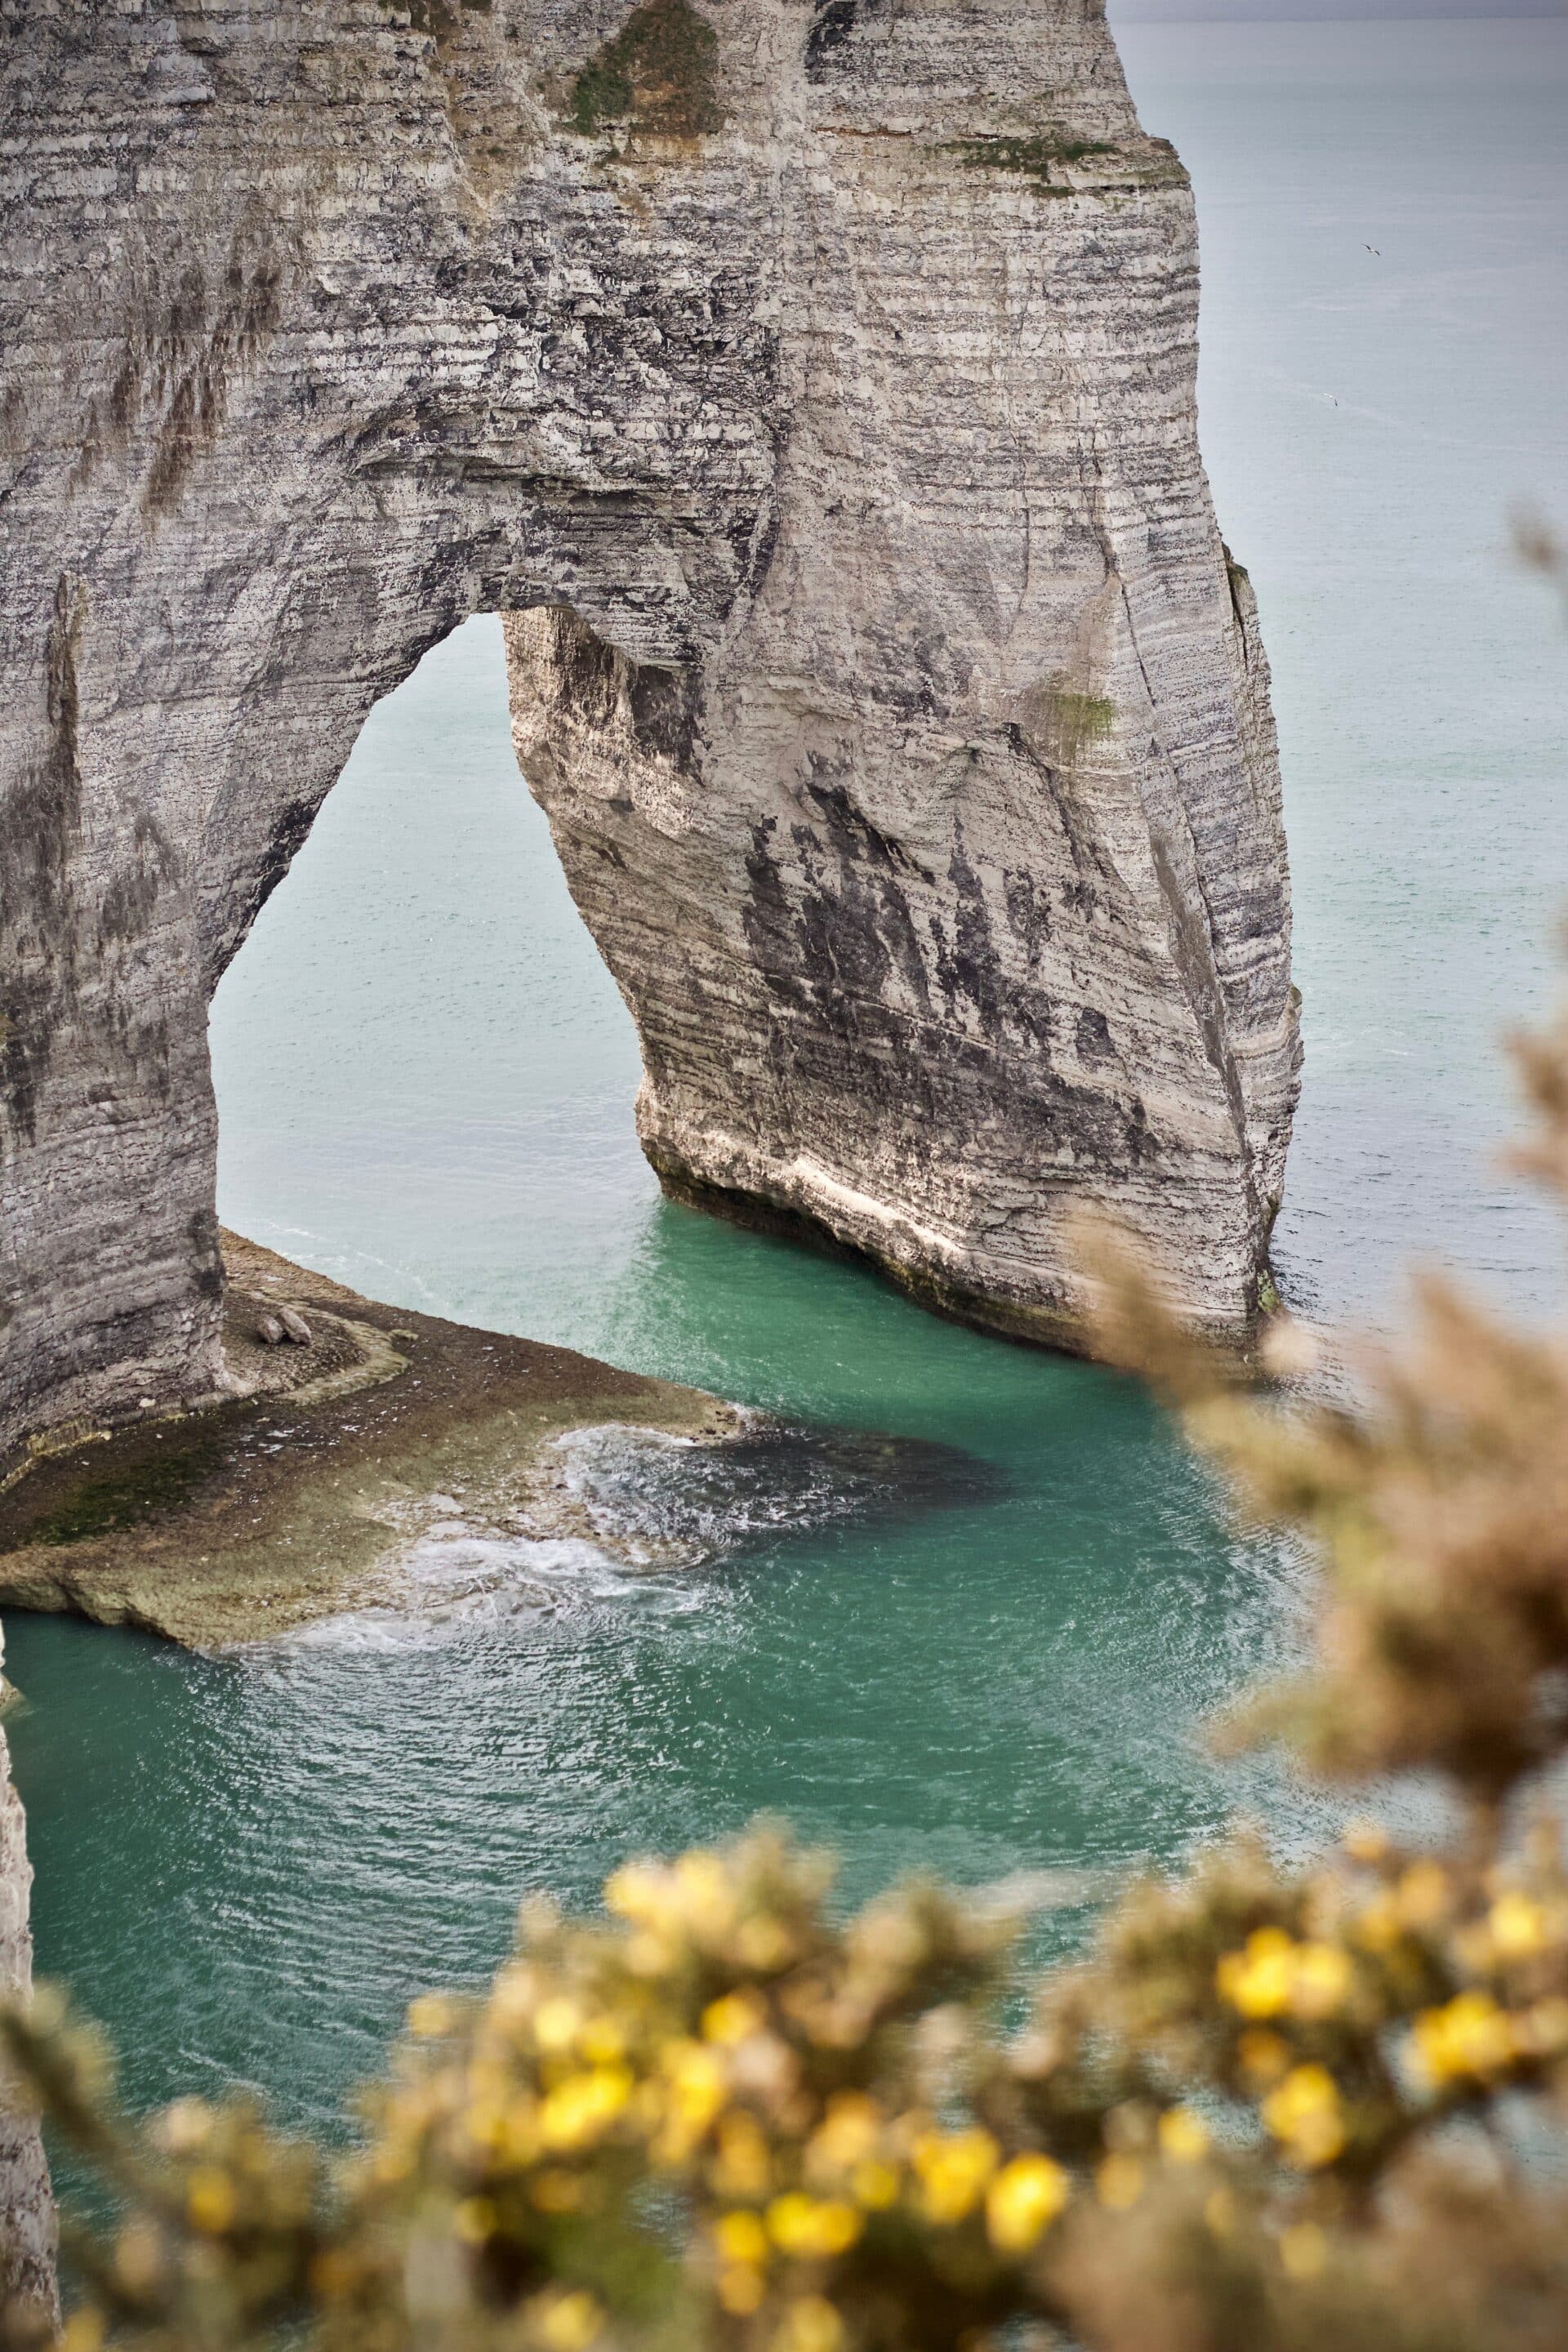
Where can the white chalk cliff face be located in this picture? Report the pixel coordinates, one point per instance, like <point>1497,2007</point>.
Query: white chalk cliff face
<point>813,388</point>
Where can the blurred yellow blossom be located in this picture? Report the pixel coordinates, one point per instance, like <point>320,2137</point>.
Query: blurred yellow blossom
<point>570,2323</point>
<point>1023,2198</point>
<point>1183,2136</point>
<point>1519,1927</point>
<point>811,2227</point>
<point>953,2167</point>
<point>810,2325</point>
<point>1305,2114</point>
<point>741,2238</point>
<point>1470,2036</point>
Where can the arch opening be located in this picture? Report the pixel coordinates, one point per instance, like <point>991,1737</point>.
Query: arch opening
<point>425,1074</point>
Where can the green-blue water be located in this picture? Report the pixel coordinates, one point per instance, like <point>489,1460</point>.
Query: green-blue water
<point>426,1083</point>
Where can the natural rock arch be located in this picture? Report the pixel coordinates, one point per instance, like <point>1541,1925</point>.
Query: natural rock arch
<point>813,388</point>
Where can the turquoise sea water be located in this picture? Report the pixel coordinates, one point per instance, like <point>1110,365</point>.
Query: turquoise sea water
<point>425,1081</point>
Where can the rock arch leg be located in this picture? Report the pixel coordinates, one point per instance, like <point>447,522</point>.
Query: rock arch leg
<point>829,390</point>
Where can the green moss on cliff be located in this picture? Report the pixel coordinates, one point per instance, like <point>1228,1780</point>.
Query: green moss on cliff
<point>1076,721</point>
<point>657,74</point>
<point>1035,157</point>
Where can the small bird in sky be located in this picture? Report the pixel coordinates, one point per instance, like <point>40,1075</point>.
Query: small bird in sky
<point>1371,248</point>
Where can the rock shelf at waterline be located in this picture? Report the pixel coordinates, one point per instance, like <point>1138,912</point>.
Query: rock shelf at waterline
<point>399,1469</point>
<point>278,1504</point>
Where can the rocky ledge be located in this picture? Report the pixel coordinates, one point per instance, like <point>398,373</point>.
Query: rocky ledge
<point>295,1494</point>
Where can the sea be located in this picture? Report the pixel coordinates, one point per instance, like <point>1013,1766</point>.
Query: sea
<point>245,1866</point>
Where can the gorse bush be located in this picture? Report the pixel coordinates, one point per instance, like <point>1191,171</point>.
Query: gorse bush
<point>1271,2112</point>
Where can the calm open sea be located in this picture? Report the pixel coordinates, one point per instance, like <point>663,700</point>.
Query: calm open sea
<point>425,1080</point>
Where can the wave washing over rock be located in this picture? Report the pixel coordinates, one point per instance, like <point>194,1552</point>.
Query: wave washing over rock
<point>632,1512</point>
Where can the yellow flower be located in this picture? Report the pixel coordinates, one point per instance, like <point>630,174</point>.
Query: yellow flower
<point>953,2168</point>
<point>733,2018</point>
<point>1272,1976</point>
<point>741,2289</point>
<point>696,2093</point>
<point>1320,1977</point>
<point>809,2325</point>
<point>847,2135</point>
<point>1519,1927</point>
<point>1366,1842</point>
<point>1303,2250</point>
<point>1470,2036</point>
<point>813,2229</point>
<point>1305,2115</point>
<point>1183,2137</point>
<point>580,2107</point>
<point>1119,2183</point>
<point>210,2199</point>
<point>570,2323</point>
<point>555,2023</point>
<point>1024,2199</point>
<point>741,2237</point>
<point>1257,1980</point>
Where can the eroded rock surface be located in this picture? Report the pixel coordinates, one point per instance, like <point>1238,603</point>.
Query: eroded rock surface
<point>815,385</point>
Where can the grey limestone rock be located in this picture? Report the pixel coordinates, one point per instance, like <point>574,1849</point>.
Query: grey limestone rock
<point>812,386</point>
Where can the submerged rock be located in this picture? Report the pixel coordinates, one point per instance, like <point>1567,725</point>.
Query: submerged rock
<point>814,389</point>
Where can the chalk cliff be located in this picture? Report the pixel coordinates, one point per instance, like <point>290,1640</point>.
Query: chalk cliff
<point>814,386</point>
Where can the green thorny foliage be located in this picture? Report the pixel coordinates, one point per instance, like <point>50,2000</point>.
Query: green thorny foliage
<point>1271,2112</point>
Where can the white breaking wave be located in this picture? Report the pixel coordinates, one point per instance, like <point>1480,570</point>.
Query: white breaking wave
<point>456,1580</point>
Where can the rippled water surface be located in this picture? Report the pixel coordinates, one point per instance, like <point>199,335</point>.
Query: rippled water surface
<point>990,1653</point>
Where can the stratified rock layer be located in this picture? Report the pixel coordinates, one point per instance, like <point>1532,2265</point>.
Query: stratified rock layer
<point>815,388</point>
